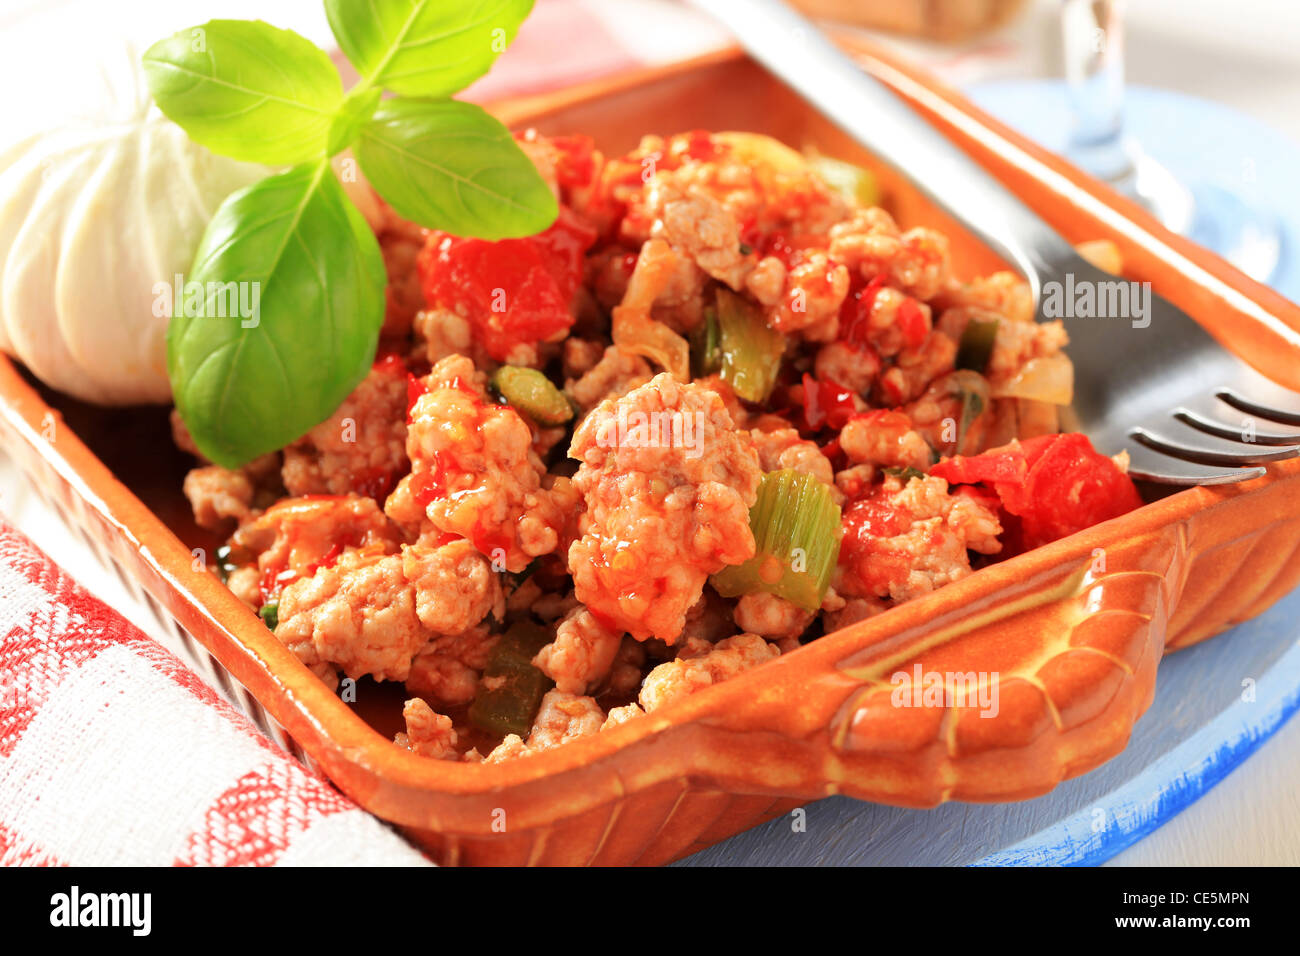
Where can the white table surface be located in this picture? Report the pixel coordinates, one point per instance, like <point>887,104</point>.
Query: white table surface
<point>1241,54</point>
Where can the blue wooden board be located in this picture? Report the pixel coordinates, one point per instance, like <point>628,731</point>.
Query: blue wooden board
<point>1215,703</point>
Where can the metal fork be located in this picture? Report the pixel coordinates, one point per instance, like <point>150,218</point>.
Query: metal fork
<point>1188,411</point>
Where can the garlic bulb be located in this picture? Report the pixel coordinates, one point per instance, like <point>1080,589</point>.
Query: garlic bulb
<point>96,219</point>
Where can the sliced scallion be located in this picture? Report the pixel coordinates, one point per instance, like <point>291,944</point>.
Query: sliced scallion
<point>976,346</point>
<point>512,688</point>
<point>796,525</point>
<point>851,181</point>
<point>750,350</point>
<point>531,392</point>
<point>270,613</point>
<point>706,351</point>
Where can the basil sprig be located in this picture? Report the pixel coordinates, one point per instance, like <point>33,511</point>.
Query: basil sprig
<point>249,384</point>
<point>429,152</point>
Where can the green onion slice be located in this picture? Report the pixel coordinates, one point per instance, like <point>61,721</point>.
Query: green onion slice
<point>904,473</point>
<point>531,392</point>
<point>706,350</point>
<point>750,350</point>
<point>512,688</point>
<point>796,525</point>
<point>976,346</point>
<point>851,181</point>
<point>270,613</point>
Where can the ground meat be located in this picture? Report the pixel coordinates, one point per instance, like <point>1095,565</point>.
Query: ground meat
<point>904,540</point>
<point>522,596</point>
<point>854,481</point>
<point>1003,294</point>
<point>406,513</point>
<point>846,364</point>
<point>447,668</point>
<point>955,413</point>
<point>358,614</point>
<point>690,645</point>
<point>740,415</point>
<point>564,717</point>
<point>621,715</point>
<point>511,747</point>
<point>667,504</point>
<point>629,667</point>
<point>545,439</point>
<point>245,583</point>
<point>552,607</point>
<point>710,619</point>
<point>772,617</point>
<point>767,282</point>
<point>615,374</point>
<point>296,536</point>
<point>359,449</point>
<point>400,243</point>
<point>915,369</point>
<point>581,355</point>
<point>698,226</point>
<point>682,677</point>
<point>1015,344</point>
<point>582,653</point>
<point>885,330</point>
<point>428,733</point>
<point>885,439</point>
<point>1019,342</point>
<point>783,448</point>
<point>218,495</point>
<point>854,610</point>
<point>608,273</point>
<point>870,243</point>
<point>815,289</point>
<point>454,585</point>
<point>474,470</point>
<point>680,303</point>
<point>440,333</point>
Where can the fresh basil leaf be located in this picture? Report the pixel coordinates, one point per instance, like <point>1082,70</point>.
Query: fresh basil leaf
<point>249,380</point>
<point>246,89</point>
<point>449,165</point>
<point>355,112</point>
<point>424,47</point>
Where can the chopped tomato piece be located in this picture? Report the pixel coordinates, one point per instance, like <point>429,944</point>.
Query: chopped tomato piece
<point>514,291</point>
<point>913,324</point>
<point>788,248</point>
<point>1007,463</point>
<point>563,248</point>
<point>576,166</point>
<point>390,362</point>
<point>826,404</point>
<point>865,553</point>
<point>1053,485</point>
<point>1069,487</point>
<point>415,387</point>
<point>855,313</point>
<point>697,144</point>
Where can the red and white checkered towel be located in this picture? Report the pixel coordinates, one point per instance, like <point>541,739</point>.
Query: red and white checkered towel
<point>113,753</point>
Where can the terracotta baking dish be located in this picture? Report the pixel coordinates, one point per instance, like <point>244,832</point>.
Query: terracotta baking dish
<point>1072,632</point>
